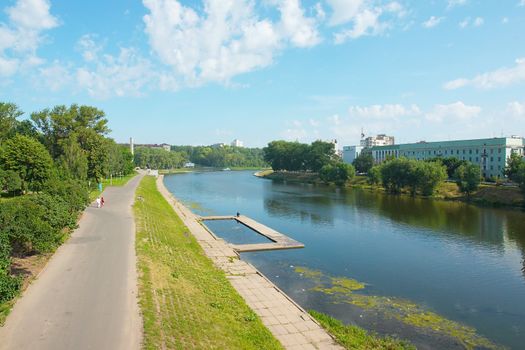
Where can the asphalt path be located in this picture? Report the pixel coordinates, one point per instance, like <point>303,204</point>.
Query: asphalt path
<point>86,297</point>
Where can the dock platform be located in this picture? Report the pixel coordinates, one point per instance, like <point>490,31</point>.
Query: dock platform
<point>279,241</point>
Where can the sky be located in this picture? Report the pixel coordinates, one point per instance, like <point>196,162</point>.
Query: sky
<point>203,72</point>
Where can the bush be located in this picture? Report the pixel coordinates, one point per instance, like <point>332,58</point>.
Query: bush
<point>29,225</point>
<point>73,192</point>
<point>338,173</point>
<point>374,175</point>
<point>468,178</point>
<point>9,286</point>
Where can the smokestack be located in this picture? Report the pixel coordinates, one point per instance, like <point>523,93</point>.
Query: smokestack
<point>131,147</point>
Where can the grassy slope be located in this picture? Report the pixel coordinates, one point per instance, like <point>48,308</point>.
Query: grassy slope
<point>352,337</point>
<point>186,302</point>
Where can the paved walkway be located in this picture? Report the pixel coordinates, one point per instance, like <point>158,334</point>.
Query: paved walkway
<point>289,323</point>
<point>86,297</point>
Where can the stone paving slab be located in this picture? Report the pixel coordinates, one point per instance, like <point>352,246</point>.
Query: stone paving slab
<point>287,321</point>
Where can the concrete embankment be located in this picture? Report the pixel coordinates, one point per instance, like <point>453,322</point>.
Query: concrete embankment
<point>287,321</point>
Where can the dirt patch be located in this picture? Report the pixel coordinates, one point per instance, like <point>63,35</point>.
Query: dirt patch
<point>29,267</point>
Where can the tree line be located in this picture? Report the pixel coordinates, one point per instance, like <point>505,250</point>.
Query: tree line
<point>47,163</point>
<point>318,157</point>
<point>225,156</point>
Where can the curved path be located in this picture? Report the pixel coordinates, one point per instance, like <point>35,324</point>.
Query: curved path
<point>86,297</point>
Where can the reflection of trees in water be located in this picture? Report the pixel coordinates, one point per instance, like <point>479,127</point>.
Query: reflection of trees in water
<point>516,233</point>
<point>452,218</point>
<point>292,207</point>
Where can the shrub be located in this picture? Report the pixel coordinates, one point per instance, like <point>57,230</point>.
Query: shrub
<point>9,286</point>
<point>374,175</point>
<point>468,178</point>
<point>73,192</point>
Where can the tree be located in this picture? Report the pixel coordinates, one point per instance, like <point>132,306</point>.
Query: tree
<point>10,181</point>
<point>29,159</point>
<point>364,162</point>
<point>468,178</point>
<point>9,112</point>
<point>451,163</point>
<point>338,173</point>
<point>374,175</point>
<point>60,122</point>
<point>519,176</point>
<point>513,165</point>
<point>319,154</point>
<point>429,175</point>
<point>73,160</point>
<point>396,174</point>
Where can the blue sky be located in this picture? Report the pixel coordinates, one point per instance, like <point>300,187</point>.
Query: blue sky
<point>201,72</point>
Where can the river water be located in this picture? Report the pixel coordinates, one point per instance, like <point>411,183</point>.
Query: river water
<point>458,261</point>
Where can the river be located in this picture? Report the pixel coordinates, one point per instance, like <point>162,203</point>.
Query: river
<point>440,274</point>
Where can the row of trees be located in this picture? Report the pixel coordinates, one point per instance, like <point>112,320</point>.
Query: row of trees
<point>423,176</point>
<point>220,157</point>
<point>295,156</point>
<point>53,156</point>
<point>155,158</point>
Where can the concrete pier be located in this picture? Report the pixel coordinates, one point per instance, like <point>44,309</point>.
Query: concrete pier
<point>279,241</point>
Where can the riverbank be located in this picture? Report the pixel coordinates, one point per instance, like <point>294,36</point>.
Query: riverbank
<point>486,195</point>
<point>185,300</point>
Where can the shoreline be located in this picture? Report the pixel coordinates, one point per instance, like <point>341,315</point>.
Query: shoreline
<point>286,320</point>
<point>490,196</point>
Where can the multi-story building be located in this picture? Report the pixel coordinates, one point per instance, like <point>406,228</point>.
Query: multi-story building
<point>490,154</point>
<point>350,153</point>
<point>237,143</point>
<point>378,140</point>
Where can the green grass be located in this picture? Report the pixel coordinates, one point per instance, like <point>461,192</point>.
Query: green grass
<point>352,337</point>
<point>186,302</point>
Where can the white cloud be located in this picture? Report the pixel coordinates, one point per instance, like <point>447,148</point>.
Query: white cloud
<point>454,3</point>
<point>21,36</point>
<point>387,111</point>
<point>55,76</point>
<point>226,40</point>
<point>432,21</point>
<point>521,3</point>
<point>498,78</point>
<point>125,74</point>
<point>505,20</point>
<point>363,16</point>
<point>478,22</point>
<point>88,47</point>
<point>453,112</point>
<point>464,23</point>
<point>516,109</point>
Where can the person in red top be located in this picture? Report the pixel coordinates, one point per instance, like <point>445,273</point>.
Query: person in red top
<point>101,201</point>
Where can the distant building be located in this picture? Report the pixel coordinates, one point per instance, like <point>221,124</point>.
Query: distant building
<point>350,153</point>
<point>490,155</point>
<point>218,145</point>
<point>237,143</point>
<point>189,165</point>
<point>378,140</point>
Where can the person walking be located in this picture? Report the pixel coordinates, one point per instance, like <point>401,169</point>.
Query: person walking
<point>98,202</point>
<point>102,201</point>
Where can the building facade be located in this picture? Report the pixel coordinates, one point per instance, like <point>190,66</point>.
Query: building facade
<point>490,155</point>
<point>237,143</point>
<point>378,140</point>
<point>350,153</point>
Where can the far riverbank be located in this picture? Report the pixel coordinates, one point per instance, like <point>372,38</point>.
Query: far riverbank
<point>486,195</point>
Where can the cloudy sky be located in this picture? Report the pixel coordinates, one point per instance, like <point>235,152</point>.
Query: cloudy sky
<point>201,72</point>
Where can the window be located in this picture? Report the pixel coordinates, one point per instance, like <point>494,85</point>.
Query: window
<point>491,151</point>
<point>491,167</point>
<point>499,159</point>
<point>477,151</point>
<point>470,159</point>
<point>445,151</point>
<point>499,150</point>
<point>457,152</point>
<point>469,151</point>
<point>491,159</point>
<point>463,151</point>
<point>477,159</point>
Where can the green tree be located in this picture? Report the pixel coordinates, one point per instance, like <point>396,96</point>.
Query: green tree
<point>29,159</point>
<point>396,174</point>
<point>428,176</point>
<point>10,181</point>
<point>319,154</point>
<point>468,178</point>
<point>519,176</point>
<point>374,175</point>
<point>364,162</point>
<point>513,165</point>
<point>338,173</point>
<point>9,112</point>
<point>73,160</point>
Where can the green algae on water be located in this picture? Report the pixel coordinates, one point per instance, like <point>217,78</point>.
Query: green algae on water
<point>342,290</point>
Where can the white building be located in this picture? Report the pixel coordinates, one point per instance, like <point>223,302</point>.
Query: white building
<point>491,155</point>
<point>378,140</point>
<point>237,143</point>
<point>350,153</point>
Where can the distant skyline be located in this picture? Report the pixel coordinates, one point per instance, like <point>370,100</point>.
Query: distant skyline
<point>204,72</point>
